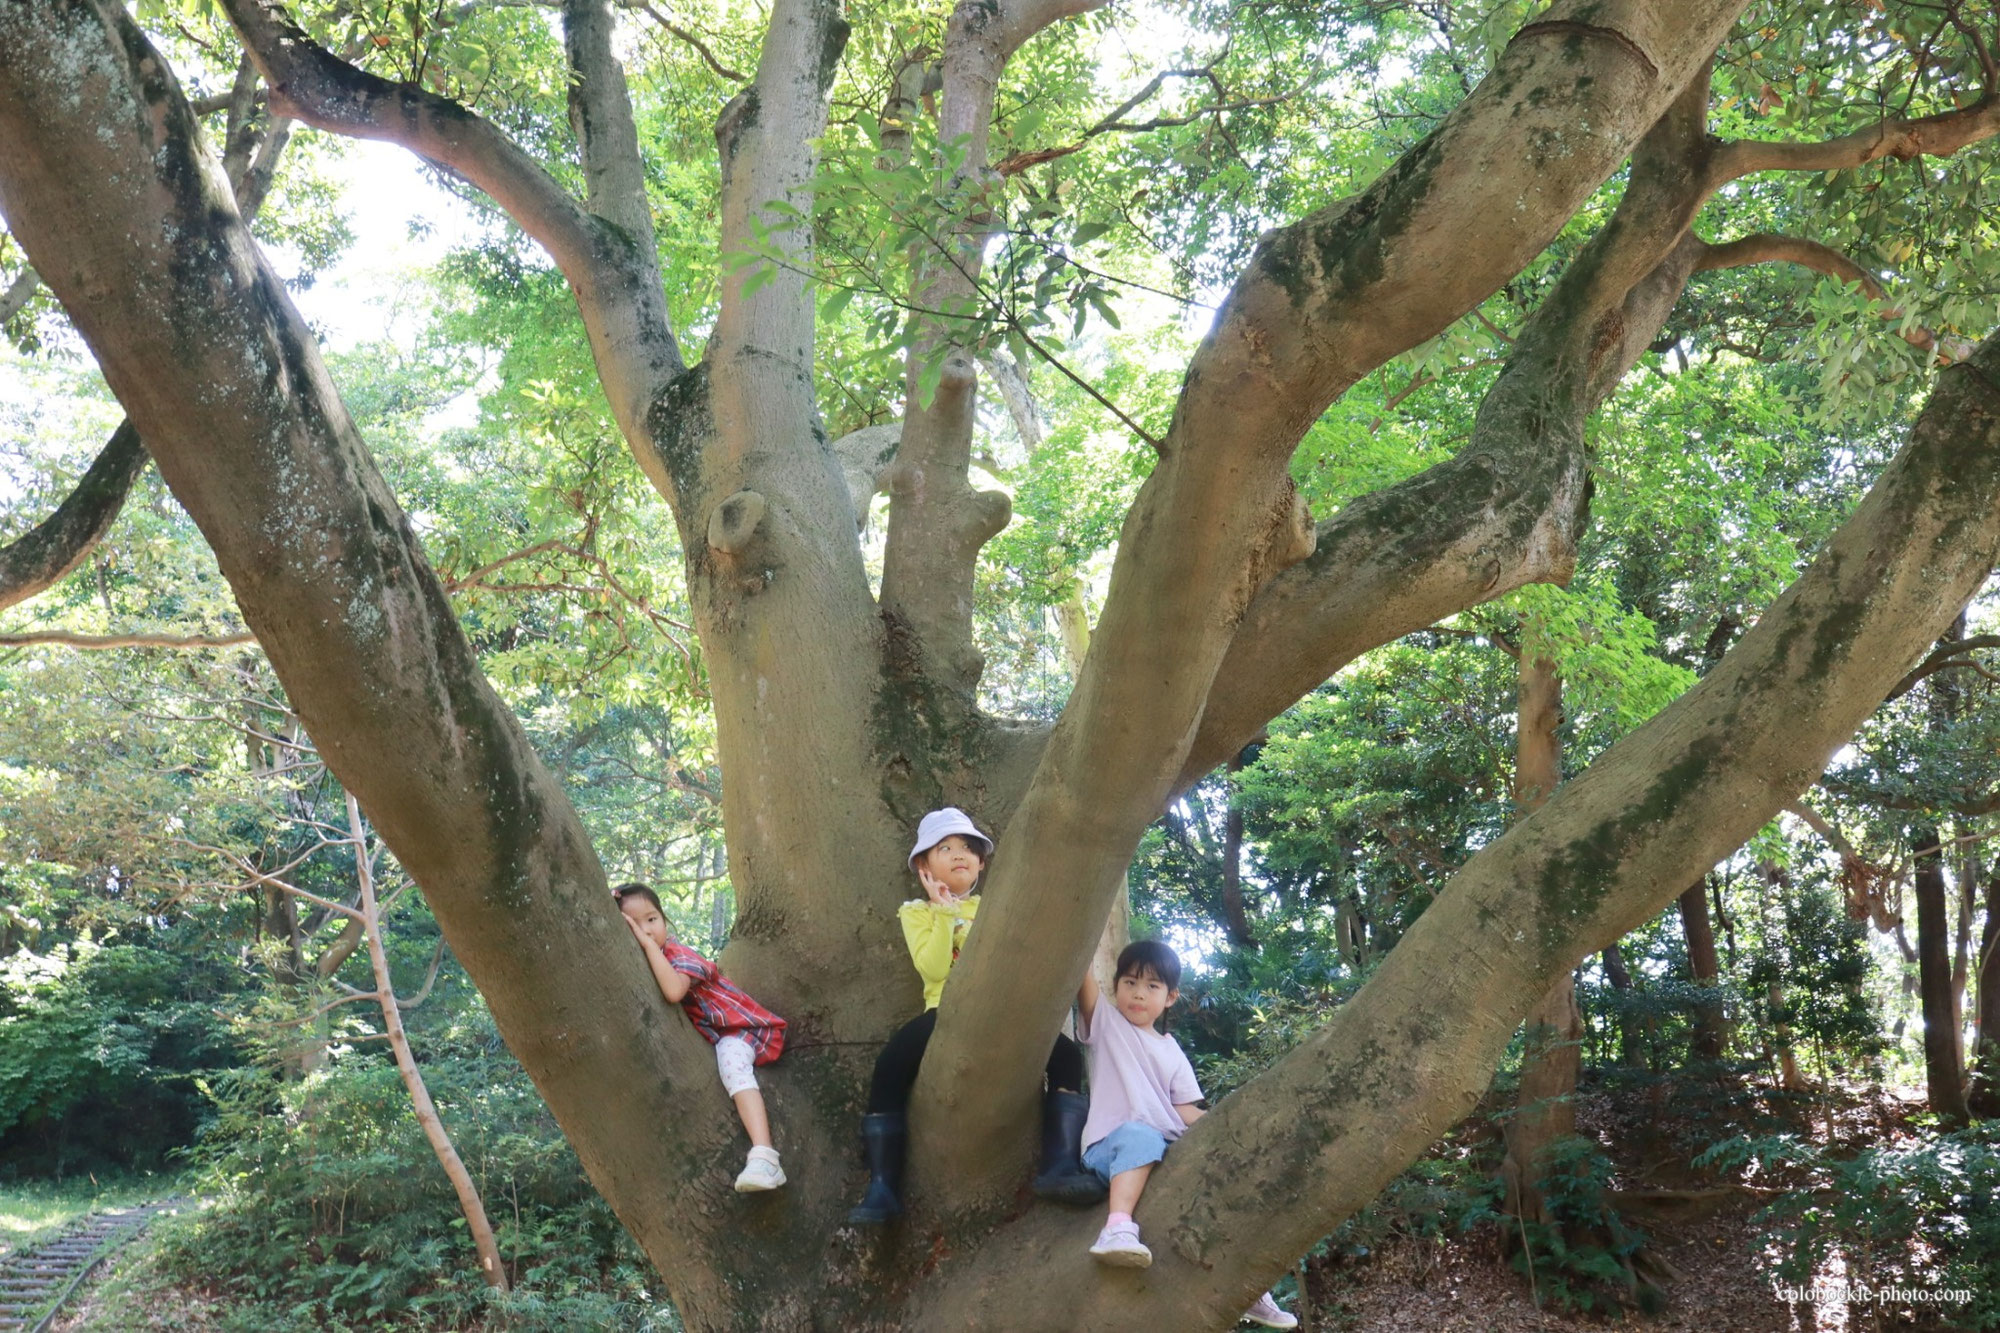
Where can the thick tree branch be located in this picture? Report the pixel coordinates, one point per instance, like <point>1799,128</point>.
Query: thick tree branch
<point>612,271</point>
<point>1313,1138</point>
<point>1323,302</point>
<point>1926,136</point>
<point>52,548</point>
<point>1769,248</point>
<point>1507,509</point>
<point>937,521</point>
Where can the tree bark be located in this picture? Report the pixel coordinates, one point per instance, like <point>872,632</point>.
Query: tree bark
<point>1944,1078</point>
<point>1711,1028</point>
<point>41,556</point>
<point>1545,1104</point>
<point>1321,303</point>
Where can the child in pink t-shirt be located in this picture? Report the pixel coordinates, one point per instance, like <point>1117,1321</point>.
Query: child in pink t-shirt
<point>1143,1096</point>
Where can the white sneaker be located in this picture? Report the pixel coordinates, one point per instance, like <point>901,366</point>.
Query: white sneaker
<point>761,1172</point>
<point>1267,1312</point>
<point>1119,1245</point>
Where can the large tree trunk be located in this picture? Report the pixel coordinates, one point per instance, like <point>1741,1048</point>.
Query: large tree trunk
<point>1711,1029</point>
<point>1944,1077</point>
<point>837,723</point>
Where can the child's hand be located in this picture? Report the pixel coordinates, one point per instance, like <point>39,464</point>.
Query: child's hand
<point>936,888</point>
<point>638,931</point>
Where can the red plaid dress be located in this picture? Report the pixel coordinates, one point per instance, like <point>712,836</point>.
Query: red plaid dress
<point>718,1008</point>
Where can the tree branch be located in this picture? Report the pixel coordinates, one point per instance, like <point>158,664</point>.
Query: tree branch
<point>41,556</point>
<point>1946,655</point>
<point>1939,135</point>
<point>19,292</point>
<point>1769,248</point>
<point>1332,1121</point>
<point>615,276</point>
<point>1507,509</point>
<point>701,48</point>
<point>937,521</point>
<point>67,639</point>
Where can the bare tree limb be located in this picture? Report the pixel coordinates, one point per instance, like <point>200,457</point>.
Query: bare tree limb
<point>40,557</point>
<point>615,277</point>
<point>1946,655</point>
<point>66,639</point>
<point>700,47</point>
<point>1926,136</point>
<point>1770,248</point>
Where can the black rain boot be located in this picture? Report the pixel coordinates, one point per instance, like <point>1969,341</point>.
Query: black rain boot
<point>1063,1177</point>
<point>883,1134</point>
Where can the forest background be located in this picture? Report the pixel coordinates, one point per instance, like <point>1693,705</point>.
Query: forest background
<point>168,1008</point>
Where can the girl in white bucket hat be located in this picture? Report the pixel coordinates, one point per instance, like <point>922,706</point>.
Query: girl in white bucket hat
<point>949,856</point>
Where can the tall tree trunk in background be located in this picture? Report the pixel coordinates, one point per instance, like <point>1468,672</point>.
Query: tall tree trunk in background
<point>1711,1031</point>
<point>469,1202</point>
<point>1545,1104</point>
<point>1232,861</point>
<point>1985,1096</point>
<point>1620,978</point>
<point>1969,875</point>
<point>1943,1075</point>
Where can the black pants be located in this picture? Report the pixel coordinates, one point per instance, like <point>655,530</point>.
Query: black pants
<point>896,1068</point>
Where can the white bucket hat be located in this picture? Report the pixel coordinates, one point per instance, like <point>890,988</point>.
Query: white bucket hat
<point>941,824</point>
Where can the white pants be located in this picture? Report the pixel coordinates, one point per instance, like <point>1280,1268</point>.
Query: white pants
<point>738,1065</point>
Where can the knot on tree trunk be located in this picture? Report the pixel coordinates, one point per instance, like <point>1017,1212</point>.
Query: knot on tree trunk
<point>732,524</point>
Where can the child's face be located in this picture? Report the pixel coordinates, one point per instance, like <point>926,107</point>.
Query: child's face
<point>1143,997</point>
<point>957,862</point>
<point>647,917</point>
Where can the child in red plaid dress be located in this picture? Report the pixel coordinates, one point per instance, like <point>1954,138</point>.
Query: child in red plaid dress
<point>744,1033</point>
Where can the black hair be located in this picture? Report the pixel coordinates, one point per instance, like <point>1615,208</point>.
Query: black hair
<point>624,891</point>
<point>1142,956</point>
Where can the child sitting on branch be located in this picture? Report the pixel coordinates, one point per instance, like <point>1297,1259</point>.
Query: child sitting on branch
<point>744,1033</point>
<point>949,856</point>
<point>1143,1096</point>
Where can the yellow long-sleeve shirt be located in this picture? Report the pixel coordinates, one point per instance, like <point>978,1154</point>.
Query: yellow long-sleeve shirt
<point>935,935</point>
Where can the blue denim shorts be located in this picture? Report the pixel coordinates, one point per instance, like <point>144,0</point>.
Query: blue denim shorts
<point>1131,1145</point>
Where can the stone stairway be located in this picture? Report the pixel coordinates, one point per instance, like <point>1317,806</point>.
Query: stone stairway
<point>37,1280</point>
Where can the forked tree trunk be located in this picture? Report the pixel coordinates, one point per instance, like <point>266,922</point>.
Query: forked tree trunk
<point>1944,1077</point>
<point>838,721</point>
<point>1711,1029</point>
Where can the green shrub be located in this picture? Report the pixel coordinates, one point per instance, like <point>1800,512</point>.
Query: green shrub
<point>101,1049</point>
<point>331,1206</point>
<point>1922,1216</point>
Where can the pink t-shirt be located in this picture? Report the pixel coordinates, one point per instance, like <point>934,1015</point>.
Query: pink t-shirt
<point>1135,1074</point>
